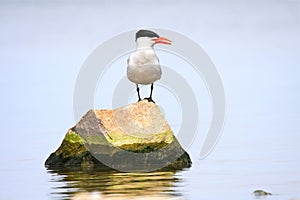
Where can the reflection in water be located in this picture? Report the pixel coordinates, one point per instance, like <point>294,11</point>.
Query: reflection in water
<point>86,185</point>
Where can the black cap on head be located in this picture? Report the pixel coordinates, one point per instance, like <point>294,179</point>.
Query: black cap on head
<point>145,33</point>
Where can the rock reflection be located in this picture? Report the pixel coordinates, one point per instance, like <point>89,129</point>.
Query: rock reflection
<point>85,185</point>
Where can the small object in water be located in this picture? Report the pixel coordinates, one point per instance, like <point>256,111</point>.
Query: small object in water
<point>260,193</point>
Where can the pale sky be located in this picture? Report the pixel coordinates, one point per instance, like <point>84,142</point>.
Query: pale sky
<point>253,44</point>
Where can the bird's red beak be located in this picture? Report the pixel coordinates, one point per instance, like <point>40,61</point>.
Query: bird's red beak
<point>162,40</point>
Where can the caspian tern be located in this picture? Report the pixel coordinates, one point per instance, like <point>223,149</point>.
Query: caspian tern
<point>143,65</point>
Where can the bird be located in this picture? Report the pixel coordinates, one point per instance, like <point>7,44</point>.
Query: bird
<point>143,66</point>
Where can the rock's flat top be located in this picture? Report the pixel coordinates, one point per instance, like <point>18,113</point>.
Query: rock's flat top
<point>141,117</point>
<point>141,122</point>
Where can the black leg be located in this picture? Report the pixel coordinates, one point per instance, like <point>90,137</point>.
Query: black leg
<point>138,91</point>
<point>151,91</point>
<point>150,98</point>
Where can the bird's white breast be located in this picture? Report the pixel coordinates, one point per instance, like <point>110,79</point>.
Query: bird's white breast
<point>143,67</point>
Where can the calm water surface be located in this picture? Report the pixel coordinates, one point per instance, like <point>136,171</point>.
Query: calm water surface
<point>231,172</point>
<point>115,185</point>
<point>236,167</point>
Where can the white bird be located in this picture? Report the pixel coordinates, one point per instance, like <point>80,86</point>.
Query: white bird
<point>143,65</point>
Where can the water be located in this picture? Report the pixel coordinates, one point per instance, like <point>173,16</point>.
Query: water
<point>115,185</point>
<point>233,171</point>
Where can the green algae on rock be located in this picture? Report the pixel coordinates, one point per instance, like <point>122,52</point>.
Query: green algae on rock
<point>132,138</point>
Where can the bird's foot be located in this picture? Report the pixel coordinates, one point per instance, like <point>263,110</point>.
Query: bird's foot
<point>149,99</point>
<point>139,100</point>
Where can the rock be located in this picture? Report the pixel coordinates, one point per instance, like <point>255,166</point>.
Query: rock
<point>132,138</point>
<point>260,193</point>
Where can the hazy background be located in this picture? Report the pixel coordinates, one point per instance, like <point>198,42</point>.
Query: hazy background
<point>254,44</point>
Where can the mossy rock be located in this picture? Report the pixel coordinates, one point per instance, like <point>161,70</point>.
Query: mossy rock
<point>132,138</point>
